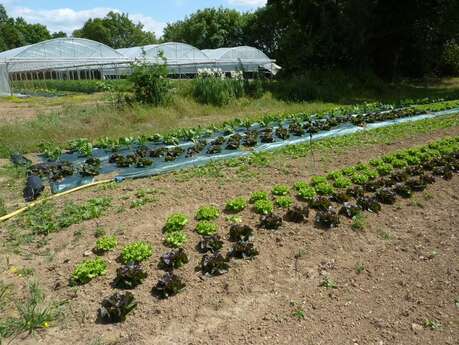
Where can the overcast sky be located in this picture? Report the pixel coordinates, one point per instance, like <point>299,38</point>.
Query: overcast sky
<point>59,15</point>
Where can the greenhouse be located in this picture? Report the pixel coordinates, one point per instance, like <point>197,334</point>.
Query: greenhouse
<point>78,58</point>
<point>244,58</point>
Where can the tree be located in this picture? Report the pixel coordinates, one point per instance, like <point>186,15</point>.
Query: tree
<point>59,34</point>
<point>209,28</point>
<point>116,30</point>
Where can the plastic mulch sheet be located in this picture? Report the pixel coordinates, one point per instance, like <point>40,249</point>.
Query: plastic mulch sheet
<point>160,166</point>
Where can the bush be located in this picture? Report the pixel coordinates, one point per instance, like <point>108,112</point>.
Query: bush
<point>136,252</point>
<point>450,58</point>
<point>150,83</point>
<point>88,270</point>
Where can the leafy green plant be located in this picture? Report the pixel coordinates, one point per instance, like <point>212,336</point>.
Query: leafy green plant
<point>300,185</point>
<point>324,188</point>
<point>384,169</point>
<point>358,222</point>
<point>175,239</point>
<point>315,180</point>
<point>74,214</point>
<point>284,201</point>
<point>236,204</point>
<point>207,213</point>
<point>88,270</point>
<point>258,195</point>
<point>359,179</point>
<point>173,260</point>
<point>115,308</point>
<point>51,151</point>
<point>280,190</point>
<point>263,207</point>
<point>106,244</point>
<point>342,182</point>
<point>129,276</point>
<point>175,222</point>
<point>307,193</point>
<point>169,285</point>
<point>136,252</point>
<point>299,314</point>
<point>206,228</point>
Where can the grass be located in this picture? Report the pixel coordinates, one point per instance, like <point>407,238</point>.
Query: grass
<point>90,116</point>
<point>32,314</point>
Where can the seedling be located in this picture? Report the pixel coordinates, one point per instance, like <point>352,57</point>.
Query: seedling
<point>328,283</point>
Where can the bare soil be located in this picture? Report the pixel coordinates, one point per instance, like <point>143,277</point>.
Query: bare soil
<point>408,255</point>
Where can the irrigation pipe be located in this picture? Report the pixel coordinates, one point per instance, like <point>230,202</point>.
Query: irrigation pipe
<point>54,196</point>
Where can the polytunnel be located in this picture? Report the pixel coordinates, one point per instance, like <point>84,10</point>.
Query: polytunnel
<point>248,59</point>
<point>181,58</point>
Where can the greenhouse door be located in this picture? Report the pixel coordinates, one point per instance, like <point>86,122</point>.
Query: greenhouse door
<point>4,81</point>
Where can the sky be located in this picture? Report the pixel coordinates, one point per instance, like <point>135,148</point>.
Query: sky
<point>60,15</point>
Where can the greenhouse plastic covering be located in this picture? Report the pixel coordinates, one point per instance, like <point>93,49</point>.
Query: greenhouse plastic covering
<point>4,81</point>
<point>160,166</point>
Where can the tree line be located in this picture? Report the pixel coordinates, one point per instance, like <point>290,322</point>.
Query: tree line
<point>390,38</point>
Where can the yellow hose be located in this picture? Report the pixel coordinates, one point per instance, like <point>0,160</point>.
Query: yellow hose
<point>32,204</point>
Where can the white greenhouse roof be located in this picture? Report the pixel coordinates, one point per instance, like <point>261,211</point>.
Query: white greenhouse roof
<point>174,52</point>
<point>237,53</point>
<point>58,53</point>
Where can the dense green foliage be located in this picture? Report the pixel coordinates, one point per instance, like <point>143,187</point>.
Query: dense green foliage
<point>88,270</point>
<point>209,29</point>
<point>136,252</point>
<point>116,30</point>
<point>17,32</point>
<point>150,83</point>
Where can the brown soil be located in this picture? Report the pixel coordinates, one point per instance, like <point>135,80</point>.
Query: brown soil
<point>409,255</point>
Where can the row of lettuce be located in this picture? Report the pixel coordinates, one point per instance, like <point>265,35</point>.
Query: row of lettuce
<point>347,192</point>
<point>355,113</point>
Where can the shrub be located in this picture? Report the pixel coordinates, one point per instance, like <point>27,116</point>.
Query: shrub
<point>259,195</point>
<point>450,58</point>
<point>175,222</point>
<point>88,270</point>
<point>206,228</point>
<point>264,207</point>
<point>136,252</point>
<point>150,83</point>
<point>207,213</point>
<point>175,239</point>
<point>106,243</point>
<point>236,204</point>
<point>280,189</point>
<point>284,201</point>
